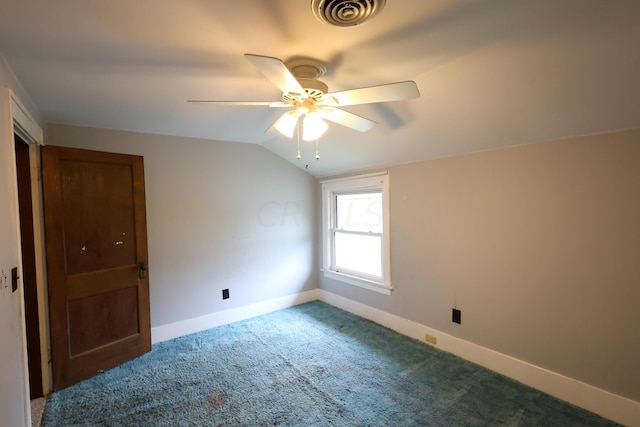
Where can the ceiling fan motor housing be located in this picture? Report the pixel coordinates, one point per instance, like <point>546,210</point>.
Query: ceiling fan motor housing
<point>307,71</point>
<point>346,13</point>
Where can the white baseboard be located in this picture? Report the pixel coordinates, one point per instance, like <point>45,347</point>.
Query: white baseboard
<point>604,403</point>
<point>197,324</point>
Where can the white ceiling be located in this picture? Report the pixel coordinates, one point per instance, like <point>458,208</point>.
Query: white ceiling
<point>492,73</point>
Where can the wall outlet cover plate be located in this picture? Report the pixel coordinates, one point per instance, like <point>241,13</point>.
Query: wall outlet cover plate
<point>456,316</point>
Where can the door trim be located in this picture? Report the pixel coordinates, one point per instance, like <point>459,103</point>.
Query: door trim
<point>22,123</point>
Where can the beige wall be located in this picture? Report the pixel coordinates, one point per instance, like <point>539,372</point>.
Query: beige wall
<point>219,215</point>
<point>537,245</point>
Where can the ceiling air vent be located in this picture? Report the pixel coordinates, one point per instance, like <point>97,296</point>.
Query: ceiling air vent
<point>346,13</point>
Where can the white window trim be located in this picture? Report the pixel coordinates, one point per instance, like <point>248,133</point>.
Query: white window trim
<point>376,181</point>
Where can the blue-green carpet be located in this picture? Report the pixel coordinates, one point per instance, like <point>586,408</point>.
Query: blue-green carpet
<point>310,365</point>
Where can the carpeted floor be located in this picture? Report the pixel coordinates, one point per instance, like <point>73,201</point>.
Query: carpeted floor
<point>310,365</point>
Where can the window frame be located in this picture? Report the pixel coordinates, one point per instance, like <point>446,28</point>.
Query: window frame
<point>376,182</point>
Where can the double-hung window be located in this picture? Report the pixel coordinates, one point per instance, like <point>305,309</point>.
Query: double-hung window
<point>356,231</point>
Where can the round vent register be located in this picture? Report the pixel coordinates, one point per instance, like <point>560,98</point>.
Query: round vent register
<point>346,13</point>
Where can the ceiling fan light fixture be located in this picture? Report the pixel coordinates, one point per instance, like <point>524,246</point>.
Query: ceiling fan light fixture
<point>287,123</point>
<point>313,127</point>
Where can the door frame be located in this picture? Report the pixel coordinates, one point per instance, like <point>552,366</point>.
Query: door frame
<point>21,123</point>
<point>29,282</point>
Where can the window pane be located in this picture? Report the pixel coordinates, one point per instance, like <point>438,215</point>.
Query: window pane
<point>359,212</point>
<point>359,253</point>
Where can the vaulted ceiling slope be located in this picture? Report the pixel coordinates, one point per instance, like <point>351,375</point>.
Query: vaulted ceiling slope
<point>491,73</point>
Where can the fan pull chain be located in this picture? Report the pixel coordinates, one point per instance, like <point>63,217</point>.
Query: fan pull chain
<point>298,129</point>
<point>298,143</point>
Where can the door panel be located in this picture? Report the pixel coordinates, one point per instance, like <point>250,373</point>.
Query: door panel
<point>95,228</point>
<point>99,214</point>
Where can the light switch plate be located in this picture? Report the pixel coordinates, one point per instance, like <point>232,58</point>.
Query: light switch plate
<point>14,279</point>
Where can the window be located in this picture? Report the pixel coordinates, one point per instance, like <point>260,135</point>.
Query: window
<point>356,231</point>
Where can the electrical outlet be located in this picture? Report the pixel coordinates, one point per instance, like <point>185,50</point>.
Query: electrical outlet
<point>430,338</point>
<point>225,294</point>
<point>456,316</point>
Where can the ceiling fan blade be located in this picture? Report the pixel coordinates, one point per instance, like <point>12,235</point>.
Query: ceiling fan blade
<point>368,95</point>
<point>250,103</point>
<point>347,119</point>
<point>275,70</point>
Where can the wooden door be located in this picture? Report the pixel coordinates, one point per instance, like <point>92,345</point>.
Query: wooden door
<point>96,250</point>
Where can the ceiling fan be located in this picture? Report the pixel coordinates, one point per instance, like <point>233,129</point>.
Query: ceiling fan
<point>308,97</point>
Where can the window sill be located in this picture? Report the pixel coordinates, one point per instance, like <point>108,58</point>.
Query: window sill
<point>371,285</point>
